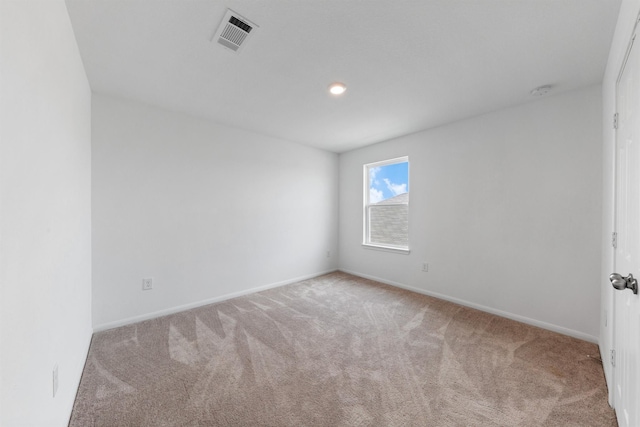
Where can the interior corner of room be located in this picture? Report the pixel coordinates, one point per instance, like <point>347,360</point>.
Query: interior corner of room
<point>115,210</point>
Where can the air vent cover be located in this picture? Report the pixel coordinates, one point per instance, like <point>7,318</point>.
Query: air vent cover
<point>234,31</point>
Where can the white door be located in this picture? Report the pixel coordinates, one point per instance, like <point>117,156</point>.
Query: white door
<point>626,326</point>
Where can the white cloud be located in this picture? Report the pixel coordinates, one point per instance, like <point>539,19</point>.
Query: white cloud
<point>372,174</point>
<point>396,188</point>
<point>375,196</point>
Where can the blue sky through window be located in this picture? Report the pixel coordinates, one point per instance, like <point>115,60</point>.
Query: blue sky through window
<point>388,181</point>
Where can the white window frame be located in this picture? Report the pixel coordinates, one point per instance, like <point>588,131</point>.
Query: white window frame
<point>365,209</point>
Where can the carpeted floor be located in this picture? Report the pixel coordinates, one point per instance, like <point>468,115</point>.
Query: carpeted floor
<point>339,350</point>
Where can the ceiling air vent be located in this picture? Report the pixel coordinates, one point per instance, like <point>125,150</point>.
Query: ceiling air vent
<point>234,31</point>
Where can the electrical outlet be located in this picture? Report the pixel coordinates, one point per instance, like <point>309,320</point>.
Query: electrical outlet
<point>425,267</point>
<point>328,254</point>
<point>55,380</point>
<point>147,284</point>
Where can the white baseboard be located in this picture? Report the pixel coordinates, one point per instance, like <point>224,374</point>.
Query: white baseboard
<point>512,316</point>
<point>179,308</point>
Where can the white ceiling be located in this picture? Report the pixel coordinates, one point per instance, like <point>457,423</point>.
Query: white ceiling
<point>408,65</point>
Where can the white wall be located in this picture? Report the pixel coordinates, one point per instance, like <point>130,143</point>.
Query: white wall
<point>45,217</point>
<point>505,208</point>
<point>626,20</point>
<point>206,210</point>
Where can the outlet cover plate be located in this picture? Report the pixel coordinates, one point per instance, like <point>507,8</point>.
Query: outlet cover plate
<point>147,284</point>
<point>55,380</point>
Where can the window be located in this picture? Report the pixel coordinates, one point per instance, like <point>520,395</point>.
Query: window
<point>386,204</point>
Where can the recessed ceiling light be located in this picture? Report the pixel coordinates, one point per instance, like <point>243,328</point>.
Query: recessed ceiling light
<point>337,88</point>
<point>541,90</point>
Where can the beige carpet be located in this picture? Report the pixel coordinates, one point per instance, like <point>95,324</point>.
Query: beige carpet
<point>339,351</point>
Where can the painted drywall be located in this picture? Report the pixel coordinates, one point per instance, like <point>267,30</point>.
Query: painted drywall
<point>205,210</point>
<point>629,10</point>
<point>45,214</point>
<point>505,208</point>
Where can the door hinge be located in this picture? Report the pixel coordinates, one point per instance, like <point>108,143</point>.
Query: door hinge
<point>614,240</point>
<point>613,358</point>
<point>615,121</point>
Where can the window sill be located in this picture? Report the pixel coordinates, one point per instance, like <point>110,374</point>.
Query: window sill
<point>386,249</point>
